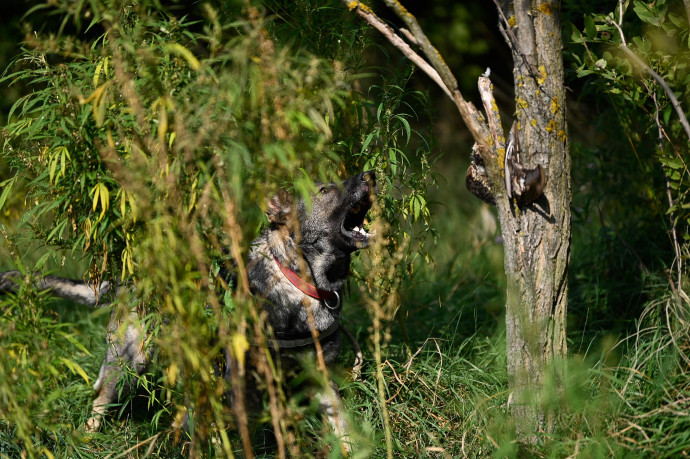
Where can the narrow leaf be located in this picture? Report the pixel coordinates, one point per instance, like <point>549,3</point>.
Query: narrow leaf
<point>6,188</point>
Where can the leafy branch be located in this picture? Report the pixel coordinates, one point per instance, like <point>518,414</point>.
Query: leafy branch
<point>643,65</point>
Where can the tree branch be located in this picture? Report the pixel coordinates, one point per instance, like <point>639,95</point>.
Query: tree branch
<point>429,50</point>
<point>658,78</point>
<point>368,15</point>
<point>492,114</point>
<point>437,70</point>
<point>494,168</point>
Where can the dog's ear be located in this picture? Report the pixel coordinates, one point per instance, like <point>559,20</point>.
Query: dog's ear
<point>279,208</point>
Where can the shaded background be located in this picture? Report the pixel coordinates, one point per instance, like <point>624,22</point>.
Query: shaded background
<point>619,253</point>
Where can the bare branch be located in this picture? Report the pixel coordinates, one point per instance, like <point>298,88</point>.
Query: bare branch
<point>495,127</point>
<point>437,70</point>
<point>411,38</point>
<point>429,50</point>
<point>492,114</point>
<point>368,15</point>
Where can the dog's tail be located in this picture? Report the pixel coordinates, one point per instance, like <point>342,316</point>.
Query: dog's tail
<point>78,291</point>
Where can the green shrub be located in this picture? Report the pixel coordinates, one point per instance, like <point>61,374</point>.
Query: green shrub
<point>148,148</point>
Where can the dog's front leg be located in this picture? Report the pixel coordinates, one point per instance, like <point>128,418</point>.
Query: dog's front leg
<point>331,406</point>
<point>127,349</point>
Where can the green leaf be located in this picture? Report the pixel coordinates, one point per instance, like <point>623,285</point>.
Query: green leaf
<point>667,114</point>
<point>647,14</point>
<point>590,28</point>
<point>192,61</point>
<point>6,189</point>
<point>673,163</point>
<point>75,368</point>
<point>642,45</point>
<point>417,206</point>
<point>57,231</point>
<point>42,261</point>
<point>584,72</point>
<point>368,140</point>
<point>392,161</point>
<point>406,126</point>
<point>575,34</point>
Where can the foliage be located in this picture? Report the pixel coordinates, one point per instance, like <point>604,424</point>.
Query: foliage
<point>145,145</point>
<point>660,36</point>
<point>145,151</point>
<point>632,210</point>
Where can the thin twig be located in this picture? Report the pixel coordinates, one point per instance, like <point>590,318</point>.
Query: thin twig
<point>669,196</point>
<point>397,378</point>
<point>658,78</point>
<point>141,443</point>
<point>510,35</point>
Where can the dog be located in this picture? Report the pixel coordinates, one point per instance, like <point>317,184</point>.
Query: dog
<point>297,267</point>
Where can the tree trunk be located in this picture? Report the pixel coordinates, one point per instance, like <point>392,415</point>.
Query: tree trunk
<point>536,233</point>
<point>537,236</point>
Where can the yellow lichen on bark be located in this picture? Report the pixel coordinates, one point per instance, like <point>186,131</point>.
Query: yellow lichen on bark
<point>545,8</point>
<point>355,4</point>
<point>555,106</point>
<point>494,107</point>
<point>501,159</point>
<point>402,9</point>
<point>542,75</point>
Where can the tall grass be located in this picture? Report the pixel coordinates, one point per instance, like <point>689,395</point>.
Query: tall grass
<point>434,383</point>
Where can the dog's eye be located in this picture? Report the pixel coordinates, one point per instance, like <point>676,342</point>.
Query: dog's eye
<point>324,189</point>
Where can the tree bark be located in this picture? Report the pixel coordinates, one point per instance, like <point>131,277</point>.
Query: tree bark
<point>537,237</point>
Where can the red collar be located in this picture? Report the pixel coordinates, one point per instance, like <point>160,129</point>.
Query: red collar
<point>306,287</point>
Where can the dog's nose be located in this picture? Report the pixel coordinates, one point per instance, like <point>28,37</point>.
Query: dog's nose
<point>369,177</point>
<point>367,181</point>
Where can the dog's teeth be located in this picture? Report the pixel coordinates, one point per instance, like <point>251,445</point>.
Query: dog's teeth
<point>360,230</point>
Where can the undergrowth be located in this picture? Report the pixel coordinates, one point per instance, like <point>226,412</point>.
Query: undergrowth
<point>130,149</point>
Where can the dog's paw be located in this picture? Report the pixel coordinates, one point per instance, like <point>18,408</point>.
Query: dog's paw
<point>93,425</point>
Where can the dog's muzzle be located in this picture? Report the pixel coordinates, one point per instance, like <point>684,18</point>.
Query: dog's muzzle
<point>362,189</point>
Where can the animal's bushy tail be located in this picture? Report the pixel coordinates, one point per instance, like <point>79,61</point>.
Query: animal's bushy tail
<point>78,291</point>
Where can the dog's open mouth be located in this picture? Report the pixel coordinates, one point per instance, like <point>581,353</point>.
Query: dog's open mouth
<point>353,224</point>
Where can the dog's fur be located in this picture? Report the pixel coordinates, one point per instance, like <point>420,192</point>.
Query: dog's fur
<point>313,240</point>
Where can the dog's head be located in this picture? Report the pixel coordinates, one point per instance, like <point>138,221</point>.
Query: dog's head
<point>335,217</point>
